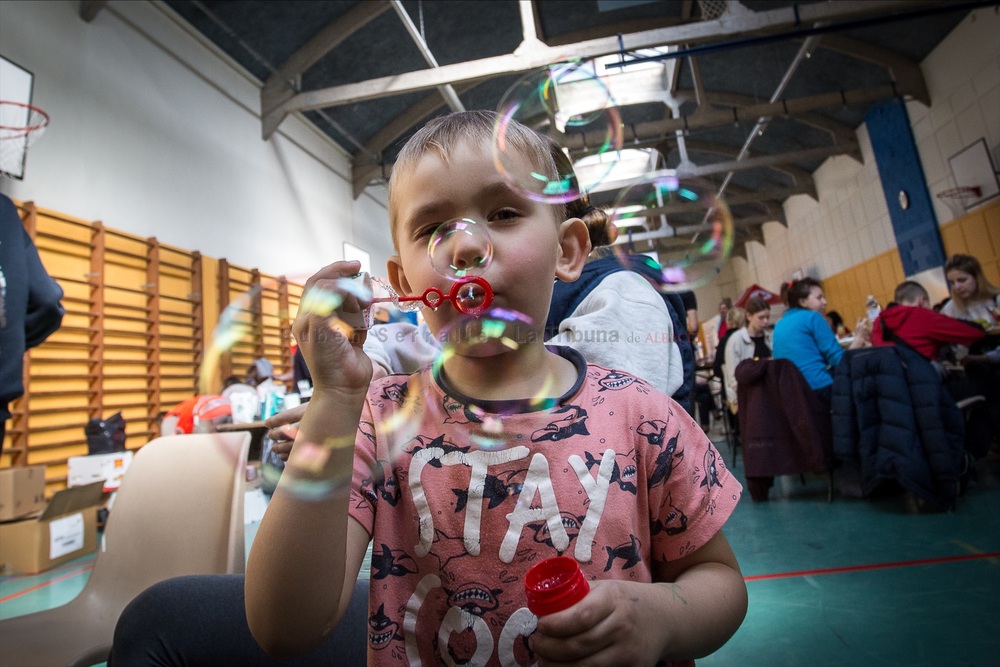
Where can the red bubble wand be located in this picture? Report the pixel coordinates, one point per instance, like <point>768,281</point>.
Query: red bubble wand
<point>470,296</point>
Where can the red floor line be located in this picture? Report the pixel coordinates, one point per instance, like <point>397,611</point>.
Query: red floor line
<point>64,566</point>
<point>755,577</point>
<point>872,566</point>
<point>68,575</point>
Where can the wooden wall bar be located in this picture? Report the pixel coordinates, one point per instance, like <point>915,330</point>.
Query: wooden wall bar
<point>977,233</point>
<point>138,328</point>
<point>256,312</point>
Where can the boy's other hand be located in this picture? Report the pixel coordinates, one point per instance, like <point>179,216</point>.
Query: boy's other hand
<point>606,627</point>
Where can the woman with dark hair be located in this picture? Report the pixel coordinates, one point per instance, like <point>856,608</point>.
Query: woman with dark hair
<point>973,298</point>
<point>752,341</point>
<point>803,337</point>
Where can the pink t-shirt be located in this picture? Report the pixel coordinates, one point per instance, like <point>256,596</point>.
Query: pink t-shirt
<point>462,497</point>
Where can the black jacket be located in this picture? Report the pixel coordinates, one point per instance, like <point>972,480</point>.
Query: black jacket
<point>895,420</point>
<point>30,308</point>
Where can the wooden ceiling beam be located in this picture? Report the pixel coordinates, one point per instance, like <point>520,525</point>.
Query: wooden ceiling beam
<point>283,84</point>
<point>905,73</point>
<point>274,108</point>
<point>89,9</point>
<point>841,133</point>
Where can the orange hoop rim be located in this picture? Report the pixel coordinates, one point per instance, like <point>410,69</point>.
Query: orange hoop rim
<point>962,192</point>
<point>21,130</point>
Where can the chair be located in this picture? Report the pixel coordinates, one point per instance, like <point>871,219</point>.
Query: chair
<point>895,421</point>
<point>784,428</point>
<point>732,436</point>
<point>179,511</point>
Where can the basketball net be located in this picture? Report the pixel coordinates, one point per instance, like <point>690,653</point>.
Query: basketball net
<point>958,199</point>
<point>20,125</point>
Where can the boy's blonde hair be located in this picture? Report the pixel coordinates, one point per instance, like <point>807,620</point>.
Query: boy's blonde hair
<point>444,133</point>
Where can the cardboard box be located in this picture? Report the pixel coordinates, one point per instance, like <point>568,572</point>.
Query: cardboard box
<point>22,492</point>
<point>65,530</point>
<point>109,468</point>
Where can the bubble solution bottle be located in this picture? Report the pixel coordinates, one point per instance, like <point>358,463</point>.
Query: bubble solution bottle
<point>554,584</point>
<point>872,309</point>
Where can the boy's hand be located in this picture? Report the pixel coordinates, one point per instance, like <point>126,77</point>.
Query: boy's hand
<point>606,628</point>
<point>332,349</point>
<point>693,607</point>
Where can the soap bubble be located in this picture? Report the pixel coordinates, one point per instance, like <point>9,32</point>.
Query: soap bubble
<point>498,331</point>
<point>460,249</point>
<point>693,227</point>
<point>235,342</point>
<point>568,102</point>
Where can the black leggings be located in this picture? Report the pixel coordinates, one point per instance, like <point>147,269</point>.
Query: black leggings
<point>200,620</point>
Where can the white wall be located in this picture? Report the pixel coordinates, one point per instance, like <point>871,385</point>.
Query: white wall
<point>963,77</point>
<point>157,133</point>
<point>850,222</point>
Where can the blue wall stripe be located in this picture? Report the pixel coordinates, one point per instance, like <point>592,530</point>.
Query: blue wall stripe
<point>918,237</point>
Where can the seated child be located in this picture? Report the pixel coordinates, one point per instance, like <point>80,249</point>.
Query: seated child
<point>913,321</point>
<point>577,460</point>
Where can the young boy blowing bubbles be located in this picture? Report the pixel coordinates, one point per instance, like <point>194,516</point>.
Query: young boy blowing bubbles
<point>610,471</point>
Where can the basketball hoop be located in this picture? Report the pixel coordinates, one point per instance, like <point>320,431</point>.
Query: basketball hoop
<point>712,9</point>
<point>20,125</point>
<point>959,199</point>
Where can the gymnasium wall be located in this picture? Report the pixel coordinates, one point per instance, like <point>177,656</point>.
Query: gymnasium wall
<point>157,133</point>
<point>141,333</point>
<point>848,231</point>
<point>976,233</point>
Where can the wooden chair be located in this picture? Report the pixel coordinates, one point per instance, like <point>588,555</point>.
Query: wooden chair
<point>179,511</point>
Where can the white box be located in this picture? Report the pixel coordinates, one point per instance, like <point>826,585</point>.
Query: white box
<point>109,468</point>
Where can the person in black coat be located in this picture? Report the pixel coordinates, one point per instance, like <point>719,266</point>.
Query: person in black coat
<point>30,308</point>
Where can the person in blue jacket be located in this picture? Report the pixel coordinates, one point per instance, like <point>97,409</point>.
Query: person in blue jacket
<point>804,337</point>
<point>30,305</point>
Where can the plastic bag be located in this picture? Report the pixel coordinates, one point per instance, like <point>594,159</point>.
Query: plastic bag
<point>105,436</point>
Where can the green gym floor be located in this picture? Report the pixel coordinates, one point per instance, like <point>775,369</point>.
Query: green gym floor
<point>852,582</point>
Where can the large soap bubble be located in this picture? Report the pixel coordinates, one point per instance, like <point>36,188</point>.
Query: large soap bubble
<point>695,226</point>
<point>567,102</point>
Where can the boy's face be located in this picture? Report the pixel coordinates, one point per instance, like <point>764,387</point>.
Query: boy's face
<point>530,247</point>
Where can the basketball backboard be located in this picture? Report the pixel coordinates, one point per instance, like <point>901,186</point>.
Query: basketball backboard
<point>972,167</point>
<point>15,86</point>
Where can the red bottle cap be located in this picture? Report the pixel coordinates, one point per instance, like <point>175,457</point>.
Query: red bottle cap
<point>554,584</point>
